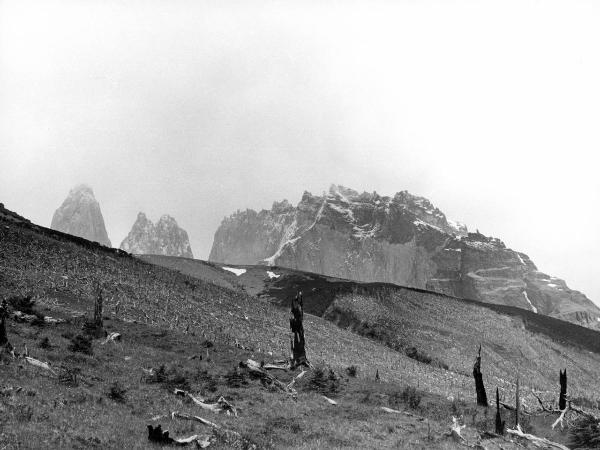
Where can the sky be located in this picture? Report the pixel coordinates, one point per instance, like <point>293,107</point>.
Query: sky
<point>199,108</point>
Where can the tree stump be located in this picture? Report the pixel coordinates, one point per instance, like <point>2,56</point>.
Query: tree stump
<point>562,399</point>
<point>479,387</point>
<point>297,328</point>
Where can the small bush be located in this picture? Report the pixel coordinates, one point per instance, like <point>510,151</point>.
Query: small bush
<point>69,376</point>
<point>170,378</point>
<point>352,371</point>
<point>411,396</point>
<point>414,353</point>
<point>235,378</point>
<point>324,382</point>
<point>45,343</point>
<point>585,433</point>
<point>117,392</point>
<point>81,344</point>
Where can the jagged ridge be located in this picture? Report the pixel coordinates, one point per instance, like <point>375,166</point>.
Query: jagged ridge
<point>402,239</point>
<point>164,238</point>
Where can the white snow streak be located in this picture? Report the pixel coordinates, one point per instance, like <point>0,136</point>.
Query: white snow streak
<point>238,272</point>
<point>533,308</point>
<point>272,274</point>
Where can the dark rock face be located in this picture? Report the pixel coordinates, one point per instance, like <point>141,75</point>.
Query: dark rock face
<point>402,239</point>
<point>80,215</point>
<point>164,238</point>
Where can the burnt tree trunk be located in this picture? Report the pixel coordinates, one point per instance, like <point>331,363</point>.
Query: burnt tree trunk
<point>499,422</point>
<point>562,399</point>
<point>98,308</point>
<point>517,405</point>
<point>3,337</point>
<point>479,387</point>
<point>297,328</point>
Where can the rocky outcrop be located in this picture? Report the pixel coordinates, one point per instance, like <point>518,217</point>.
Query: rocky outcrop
<point>164,238</point>
<point>80,215</point>
<point>402,239</point>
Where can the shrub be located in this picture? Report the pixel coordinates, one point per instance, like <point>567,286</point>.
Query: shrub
<point>414,353</point>
<point>585,433</point>
<point>352,371</point>
<point>170,378</point>
<point>69,376</point>
<point>324,382</point>
<point>235,378</point>
<point>45,343</point>
<point>117,392</point>
<point>411,396</point>
<point>81,344</point>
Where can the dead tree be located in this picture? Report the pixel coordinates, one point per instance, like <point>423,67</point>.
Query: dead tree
<point>297,328</point>
<point>479,387</point>
<point>98,307</point>
<point>517,404</point>
<point>562,399</point>
<point>3,316</point>
<point>499,421</point>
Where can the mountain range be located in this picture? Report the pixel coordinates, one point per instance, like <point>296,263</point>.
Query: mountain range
<point>403,239</point>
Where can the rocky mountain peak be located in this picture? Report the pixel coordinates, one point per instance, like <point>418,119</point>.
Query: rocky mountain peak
<point>402,239</point>
<point>164,238</point>
<point>80,215</point>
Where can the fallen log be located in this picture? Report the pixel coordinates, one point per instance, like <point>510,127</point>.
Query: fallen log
<point>538,441</point>
<point>221,406</point>
<point>456,430</point>
<point>157,435</point>
<point>276,367</point>
<point>330,401</point>
<point>297,377</point>
<point>229,436</point>
<point>560,418</point>
<point>390,410</point>
<point>257,371</point>
<point>112,337</point>
<point>40,364</point>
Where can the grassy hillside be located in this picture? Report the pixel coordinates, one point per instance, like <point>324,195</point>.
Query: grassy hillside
<point>167,317</point>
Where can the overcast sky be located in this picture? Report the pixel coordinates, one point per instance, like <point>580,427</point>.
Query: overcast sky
<point>199,108</point>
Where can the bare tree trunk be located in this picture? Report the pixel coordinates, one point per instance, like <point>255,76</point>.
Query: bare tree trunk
<point>517,404</point>
<point>3,337</point>
<point>499,422</point>
<point>297,328</point>
<point>562,399</point>
<point>98,307</point>
<point>479,387</point>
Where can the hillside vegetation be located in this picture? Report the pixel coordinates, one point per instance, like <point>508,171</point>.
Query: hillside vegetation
<point>102,397</point>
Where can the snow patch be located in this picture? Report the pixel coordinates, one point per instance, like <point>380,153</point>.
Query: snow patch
<point>533,308</point>
<point>521,259</point>
<point>272,275</point>
<point>238,272</point>
<point>552,285</point>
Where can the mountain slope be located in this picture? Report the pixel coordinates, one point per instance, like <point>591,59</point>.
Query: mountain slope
<point>403,240</point>
<point>164,238</point>
<point>80,216</point>
<point>60,271</point>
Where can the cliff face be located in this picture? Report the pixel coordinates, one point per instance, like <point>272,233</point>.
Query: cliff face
<point>402,239</point>
<point>164,238</point>
<point>80,215</point>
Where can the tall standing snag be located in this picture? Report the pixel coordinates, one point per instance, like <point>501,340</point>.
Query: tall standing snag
<point>297,328</point>
<point>499,421</point>
<point>479,387</point>
<point>517,404</point>
<point>3,316</point>
<point>562,399</point>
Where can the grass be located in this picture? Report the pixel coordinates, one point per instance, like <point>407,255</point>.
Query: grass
<point>193,334</point>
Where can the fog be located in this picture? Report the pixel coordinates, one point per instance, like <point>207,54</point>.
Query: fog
<point>197,109</point>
